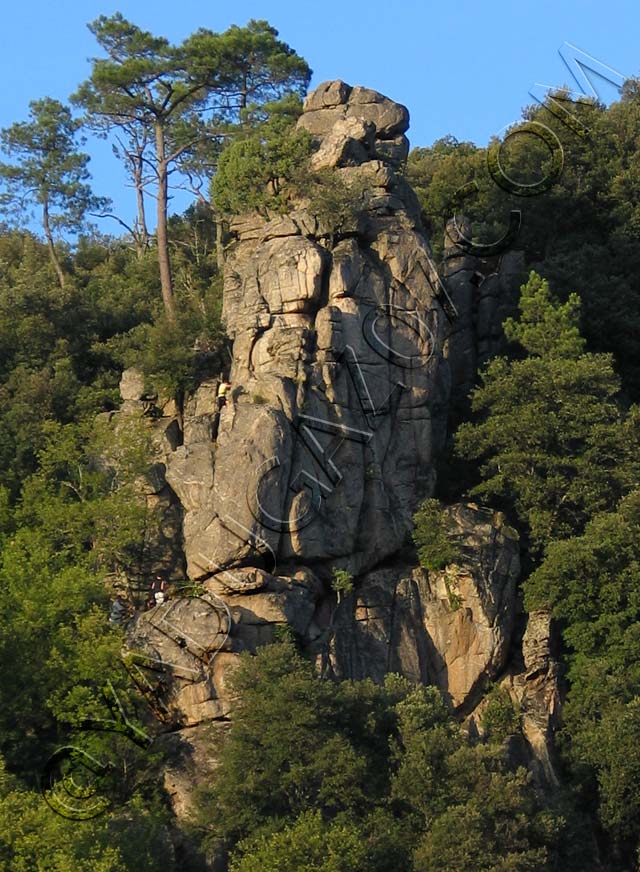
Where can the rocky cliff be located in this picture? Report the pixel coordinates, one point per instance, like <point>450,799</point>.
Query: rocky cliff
<point>339,382</point>
<point>345,344</point>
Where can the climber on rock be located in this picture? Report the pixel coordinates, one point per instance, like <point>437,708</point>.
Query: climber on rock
<point>157,592</point>
<point>119,612</point>
<point>223,387</point>
<point>221,401</point>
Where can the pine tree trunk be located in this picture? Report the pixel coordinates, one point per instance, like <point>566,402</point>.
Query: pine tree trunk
<point>142,242</point>
<point>164,261</point>
<point>50,245</point>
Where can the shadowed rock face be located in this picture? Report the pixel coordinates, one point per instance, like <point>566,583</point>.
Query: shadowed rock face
<point>482,304</point>
<point>450,628</point>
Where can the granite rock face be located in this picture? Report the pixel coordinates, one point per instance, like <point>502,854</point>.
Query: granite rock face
<point>536,687</point>
<point>339,386</point>
<point>450,628</point>
<point>346,349</point>
<point>484,297</point>
<point>342,118</point>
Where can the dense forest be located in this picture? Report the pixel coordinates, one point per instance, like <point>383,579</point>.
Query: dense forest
<point>343,776</point>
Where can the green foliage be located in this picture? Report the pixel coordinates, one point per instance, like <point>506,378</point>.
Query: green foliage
<point>501,717</point>
<point>335,200</point>
<point>352,776</point>
<point>557,446</point>
<point>287,734</point>
<point>174,353</point>
<point>432,536</point>
<point>341,582</point>
<point>437,174</point>
<point>552,439</point>
<point>581,233</point>
<point>33,837</point>
<point>308,843</point>
<point>316,775</point>
<point>259,170</point>
<point>591,584</point>
<point>497,828</point>
<point>546,328</point>
<point>455,599</point>
<point>472,811</point>
<point>173,106</point>
<point>76,519</point>
<point>269,166</point>
<point>47,169</point>
<point>56,356</point>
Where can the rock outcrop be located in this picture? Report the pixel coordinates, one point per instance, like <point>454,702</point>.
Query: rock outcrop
<point>535,687</point>
<point>450,628</point>
<point>339,384</point>
<point>484,297</point>
<point>344,347</point>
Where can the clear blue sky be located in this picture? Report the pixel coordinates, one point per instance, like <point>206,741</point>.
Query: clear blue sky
<point>463,67</point>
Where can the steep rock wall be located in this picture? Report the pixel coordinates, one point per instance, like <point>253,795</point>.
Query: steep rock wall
<point>339,386</point>
<point>344,345</point>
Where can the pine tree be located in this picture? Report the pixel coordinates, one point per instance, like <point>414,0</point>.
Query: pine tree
<point>550,434</point>
<point>47,171</point>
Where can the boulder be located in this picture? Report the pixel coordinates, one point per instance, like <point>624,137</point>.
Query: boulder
<point>333,101</point>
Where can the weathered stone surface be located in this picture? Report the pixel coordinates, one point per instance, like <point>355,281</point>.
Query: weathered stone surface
<point>289,274</point>
<point>393,151</point>
<point>320,122</point>
<point>389,118</point>
<point>259,601</point>
<point>334,101</point>
<point>349,143</point>
<point>132,384</point>
<point>224,496</point>
<point>345,374</point>
<point>538,691</point>
<point>334,93</point>
<point>141,417</point>
<point>190,474</point>
<point>176,644</point>
<point>483,303</point>
<point>325,446</point>
<point>532,680</point>
<point>471,617</point>
<point>191,758</point>
<point>451,628</point>
<point>189,644</point>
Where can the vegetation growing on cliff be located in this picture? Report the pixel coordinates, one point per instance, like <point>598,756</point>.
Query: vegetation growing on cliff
<point>581,234</point>
<point>432,536</point>
<point>549,432</point>
<point>261,168</point>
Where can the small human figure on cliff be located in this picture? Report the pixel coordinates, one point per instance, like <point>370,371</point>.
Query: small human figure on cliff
<point>223,387</point>
<point>157,592</point>
<point>221,401</point>
<point>120,611</point>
